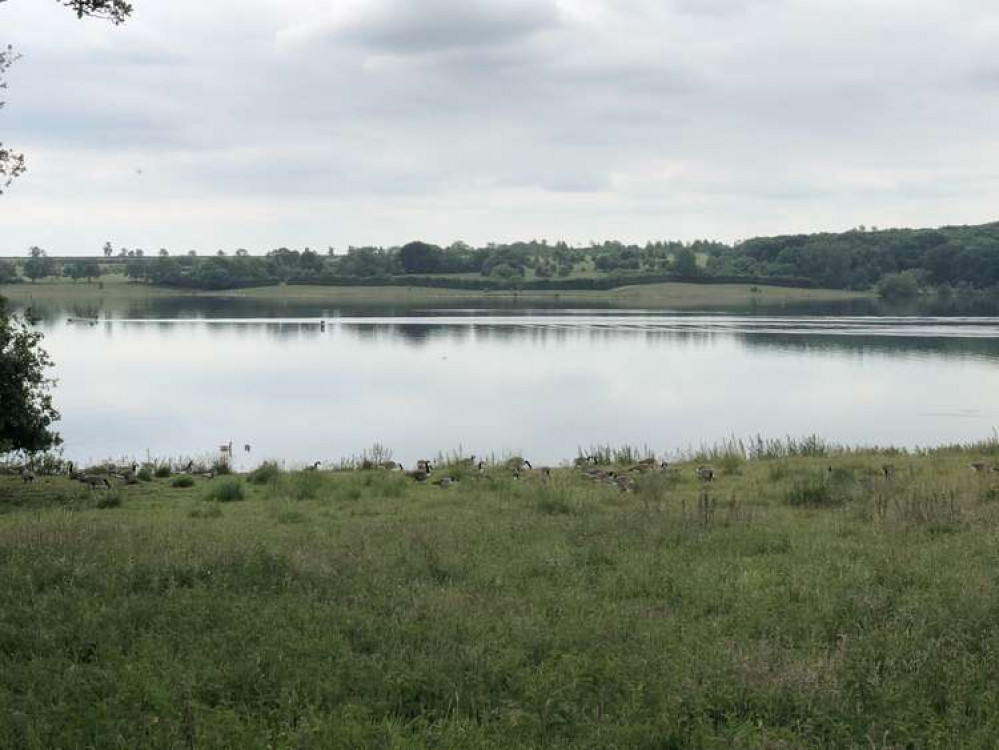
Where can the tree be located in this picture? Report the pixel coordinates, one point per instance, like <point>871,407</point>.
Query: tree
<point>108,250</point>
<point>27,415</point>
<point>8,274</point>
<point>12,163</point>
<point>895,286</point>
<point>91,269</point>
<point>38,265</point>
<point>685,262</point>
<point>420,257</point>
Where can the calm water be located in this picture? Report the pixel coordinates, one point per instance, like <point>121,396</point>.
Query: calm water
<point>171,378</point>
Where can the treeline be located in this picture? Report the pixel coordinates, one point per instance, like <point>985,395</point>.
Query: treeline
<point>899,262</point>
<point>950,257</point>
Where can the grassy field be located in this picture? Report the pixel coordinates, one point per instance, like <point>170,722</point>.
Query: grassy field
<point>667,295</point>
<point>791,603</point>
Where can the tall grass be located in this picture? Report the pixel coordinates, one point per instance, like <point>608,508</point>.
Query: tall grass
<point>802,601</point>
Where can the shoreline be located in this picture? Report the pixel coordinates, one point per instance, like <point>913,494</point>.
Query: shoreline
<point>665,295</point>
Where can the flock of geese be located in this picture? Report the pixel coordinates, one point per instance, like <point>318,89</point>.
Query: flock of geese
<point>516,468</point>
<point>519,467</point>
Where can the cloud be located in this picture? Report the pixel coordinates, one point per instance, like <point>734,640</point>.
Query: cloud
<point>312,122</point>
<point>401,27</point>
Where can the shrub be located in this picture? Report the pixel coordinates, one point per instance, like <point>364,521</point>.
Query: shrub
<point>228,490</point>
<point>162,471</point>
<point>111,499</point>
<point>813,492</point>
<point>183,481</point>
<point>305,485</point>
<point>213,511</point>
<point>267,473</point>
<point>145,475</point>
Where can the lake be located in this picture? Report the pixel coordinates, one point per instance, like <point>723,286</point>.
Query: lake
<point>171,378</point>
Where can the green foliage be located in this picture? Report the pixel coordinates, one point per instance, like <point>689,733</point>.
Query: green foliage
<point>27,413</point>
<point>182,481</point>
<point>226,490</point>
<point>38,265</point>
<point>212,511</point>
<point>815,491</point>
<point>420,257</point>
<point>145,474</point>
<point>267,473</point>
<point>895,286</point>
<point>163,471</point>
<point>685,262</point>
<point>508,613</point>
<point>110,499</point>
<point>8,273</point>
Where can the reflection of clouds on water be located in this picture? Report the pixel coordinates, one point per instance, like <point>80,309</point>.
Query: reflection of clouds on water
<point>541,385</point>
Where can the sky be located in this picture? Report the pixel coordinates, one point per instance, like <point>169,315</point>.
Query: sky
<point>268,123</point>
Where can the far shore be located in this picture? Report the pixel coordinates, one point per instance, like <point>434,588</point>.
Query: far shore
<point>664,295</point>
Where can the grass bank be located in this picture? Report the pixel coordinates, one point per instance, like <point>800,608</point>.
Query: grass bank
<point>666,295</point>
<point>792,603</point>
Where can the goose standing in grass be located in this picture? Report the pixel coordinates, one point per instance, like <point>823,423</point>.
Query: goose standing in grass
<point>623,482</point>
<point>582,461</point>
<point>95,481</point>
<point>314,467</point>
<point>27,475</point>
<point>705,473</point>
<point>425,466</point>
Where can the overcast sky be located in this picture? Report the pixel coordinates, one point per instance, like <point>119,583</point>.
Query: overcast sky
<point>212,124</point>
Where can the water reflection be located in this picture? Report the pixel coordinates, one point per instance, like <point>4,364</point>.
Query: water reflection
<point>178,379</point>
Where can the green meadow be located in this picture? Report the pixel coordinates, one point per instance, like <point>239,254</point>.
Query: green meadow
<point>805,601</point>
<point>664,295</point>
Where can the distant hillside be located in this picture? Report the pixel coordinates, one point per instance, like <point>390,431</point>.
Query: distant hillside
<point>896,261</point>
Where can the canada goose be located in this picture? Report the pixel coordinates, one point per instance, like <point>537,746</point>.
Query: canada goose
<point>643,467</point>
<point>425,466</point>
<point>132,475</point>
<point>27,475</point>
<point>419,475</point>
<point>623,482</point>
<point>582,461</point>
<point>445,482</point>
<point>888,470</point>
<point>95,481</point>
<point>189,468</point>
<point>314,467</point>
<point>705,473</point>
